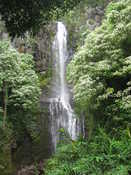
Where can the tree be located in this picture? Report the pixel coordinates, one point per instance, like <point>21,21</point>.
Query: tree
<point>101,70</point>
<point>19,95</point>
<point>20,16</point>
<point>19,86</point>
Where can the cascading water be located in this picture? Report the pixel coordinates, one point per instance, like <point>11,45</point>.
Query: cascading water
<point>61,112</point>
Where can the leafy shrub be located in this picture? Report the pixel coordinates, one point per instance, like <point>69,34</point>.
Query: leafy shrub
<point>101,155</point>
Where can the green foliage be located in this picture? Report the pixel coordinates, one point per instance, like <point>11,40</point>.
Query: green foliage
<point>101,155</point>
<point>100,70</point>
<point>101,75</point>
<point>17,72</point>
<point>5,154</point>
<point>45,78</point>
<point>19,105</point>
<point>20,16</point>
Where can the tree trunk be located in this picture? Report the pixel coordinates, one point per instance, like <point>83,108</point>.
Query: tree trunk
<point>5,100</point>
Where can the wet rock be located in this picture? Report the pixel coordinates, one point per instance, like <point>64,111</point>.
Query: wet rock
<point>28,170</point>
<point>43,46</point>
<point>32,169</point>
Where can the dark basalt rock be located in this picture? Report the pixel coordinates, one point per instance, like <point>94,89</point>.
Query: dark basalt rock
<point>32,169</point>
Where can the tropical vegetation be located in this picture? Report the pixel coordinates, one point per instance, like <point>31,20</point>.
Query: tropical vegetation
<point>99,73</point>
<point>101,76</point>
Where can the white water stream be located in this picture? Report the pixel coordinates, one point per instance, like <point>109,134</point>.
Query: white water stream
<point>61,112</point>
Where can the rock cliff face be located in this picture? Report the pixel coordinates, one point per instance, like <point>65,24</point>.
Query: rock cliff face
<point>39,46</point>
<point>82,21</point>
<point>95,15</point>
<point>43,47</point>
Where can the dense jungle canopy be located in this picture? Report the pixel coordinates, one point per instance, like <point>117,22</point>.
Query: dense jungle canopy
<point>20,16</point>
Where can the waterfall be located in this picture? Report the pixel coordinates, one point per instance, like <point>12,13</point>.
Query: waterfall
<point>61,112</point>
